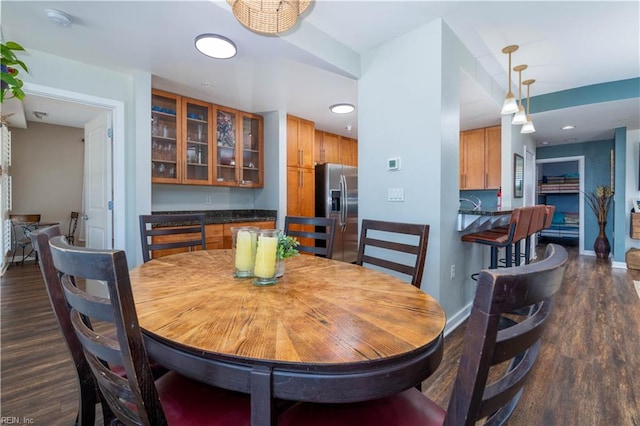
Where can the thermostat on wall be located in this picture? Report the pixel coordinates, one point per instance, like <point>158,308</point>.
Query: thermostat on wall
<point>393,164</point>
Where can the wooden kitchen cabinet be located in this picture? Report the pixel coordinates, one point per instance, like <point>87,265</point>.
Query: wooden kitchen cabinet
<point>480,158</point>
<point>348,151</point>
<point>198,143</point>
<point>238,155</point>
<point>226,233</point>
<point>332,148</point>
<point>213,239</point>
<point>300,192</point>
<point>326,148</point>
<point>217,236</point>
<point>166,134</point>
<point>300,139</point>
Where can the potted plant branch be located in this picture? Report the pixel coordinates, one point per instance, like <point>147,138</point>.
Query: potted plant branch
<point>11,65</point>
<point>600,200</point>
<point>286,249</point>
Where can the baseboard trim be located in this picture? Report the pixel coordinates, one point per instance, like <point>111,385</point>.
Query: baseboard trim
<point>457,319</point>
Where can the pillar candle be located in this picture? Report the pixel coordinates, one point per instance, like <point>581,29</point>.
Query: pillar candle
<point>265,266</point>
<point>244,252</point>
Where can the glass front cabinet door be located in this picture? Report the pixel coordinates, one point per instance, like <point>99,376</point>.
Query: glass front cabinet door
<point>239,145</point>
<point>197,119</point>
<point>165,132</point>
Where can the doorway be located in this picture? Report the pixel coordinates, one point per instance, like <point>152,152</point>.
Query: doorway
<point>561,183</point>
<point>116,108</point>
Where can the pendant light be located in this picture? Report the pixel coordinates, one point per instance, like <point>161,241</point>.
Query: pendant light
<point>520,117</point>
<point>510,106</point>
<point>528,126</point>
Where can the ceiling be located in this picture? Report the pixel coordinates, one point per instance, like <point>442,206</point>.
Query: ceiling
<point>565,44</point>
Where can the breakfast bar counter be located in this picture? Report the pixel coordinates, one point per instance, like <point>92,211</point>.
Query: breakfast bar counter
<point>470,220</point>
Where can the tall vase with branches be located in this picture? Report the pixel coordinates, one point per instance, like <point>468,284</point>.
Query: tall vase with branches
<point>600,200</point>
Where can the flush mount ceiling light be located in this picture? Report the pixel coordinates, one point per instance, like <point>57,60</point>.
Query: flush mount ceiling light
<point>268,16</point>
<point>342,108</point>
<point>510,106</point>
<point>58,17</point>
<point>520,117</point>
<point>216,46</point>
<point>569,127</point>
<point>528,126</point>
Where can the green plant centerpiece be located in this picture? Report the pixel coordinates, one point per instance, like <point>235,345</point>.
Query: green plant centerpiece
<point>287,247</point>
<point>11,65</point>
<point>600,200</point>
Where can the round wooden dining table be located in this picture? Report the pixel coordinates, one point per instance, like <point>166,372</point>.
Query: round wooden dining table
<point>327,331</point>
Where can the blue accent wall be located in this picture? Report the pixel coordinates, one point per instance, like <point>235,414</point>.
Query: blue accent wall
<point>597,160</point>
<point>604,92</point>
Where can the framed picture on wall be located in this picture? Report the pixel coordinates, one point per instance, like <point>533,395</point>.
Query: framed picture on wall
<point>518,175</point>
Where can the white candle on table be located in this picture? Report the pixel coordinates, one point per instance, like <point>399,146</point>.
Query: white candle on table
<point>244,252</point>
<point>266,257</point>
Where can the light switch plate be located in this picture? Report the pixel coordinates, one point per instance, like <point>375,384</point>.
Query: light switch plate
<point>395,194</point>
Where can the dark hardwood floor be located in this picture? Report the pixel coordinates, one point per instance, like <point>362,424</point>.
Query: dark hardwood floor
<point>588,370</point>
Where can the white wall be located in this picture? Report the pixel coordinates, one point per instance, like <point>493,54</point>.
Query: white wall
<point>409,108</point>
<point>119,89</point>
<point>46,168</point>
<point>631,183</point>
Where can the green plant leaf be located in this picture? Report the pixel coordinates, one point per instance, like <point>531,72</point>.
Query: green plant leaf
<point>13,45</point>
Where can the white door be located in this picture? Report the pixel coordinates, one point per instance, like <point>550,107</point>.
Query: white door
<point>530,188</point>
<point>98,188</point>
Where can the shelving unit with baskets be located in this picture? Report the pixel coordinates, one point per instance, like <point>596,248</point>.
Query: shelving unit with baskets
<point>563,192</point>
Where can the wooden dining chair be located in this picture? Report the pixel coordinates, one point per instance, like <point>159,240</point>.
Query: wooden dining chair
<point>164,234</point>
<point>320,231</point>
<point>396,246</point>
<point>494,365</point>
<point>134,398</point>
<point>88,395</point>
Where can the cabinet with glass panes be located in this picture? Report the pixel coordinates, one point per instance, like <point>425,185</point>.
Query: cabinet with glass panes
<point>239,150</point>
<point>165,134</point>
<point>197,118</point>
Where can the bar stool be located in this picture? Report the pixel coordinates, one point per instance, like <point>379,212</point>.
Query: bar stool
<point>536,225</point>
<point>504,237</point>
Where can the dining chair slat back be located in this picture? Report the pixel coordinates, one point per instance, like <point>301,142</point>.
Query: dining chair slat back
<point>494,364</point>
<point>88,390</point>
<point>320,230</point>
<point>163,234</point>
<point>400,247</point>
<point>134,398</point>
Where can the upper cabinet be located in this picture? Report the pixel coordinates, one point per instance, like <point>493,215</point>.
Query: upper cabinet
<point>348,151</point>
<point>480,158</point>
<point>198,143</point>
<point>332,148</point>
<point>196,125</point>
<point>239,150</point>
<point>165,135</point>
<point>300,141</point>
<point>327,148</point>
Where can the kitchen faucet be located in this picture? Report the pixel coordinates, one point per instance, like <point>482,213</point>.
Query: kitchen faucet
<point>476,205</point>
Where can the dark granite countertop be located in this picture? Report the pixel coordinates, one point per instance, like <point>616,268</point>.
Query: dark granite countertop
<point>485,212</point>
<point>230,216</point>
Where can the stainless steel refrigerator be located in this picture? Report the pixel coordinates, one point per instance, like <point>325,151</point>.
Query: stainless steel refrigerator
<point>337,196</point>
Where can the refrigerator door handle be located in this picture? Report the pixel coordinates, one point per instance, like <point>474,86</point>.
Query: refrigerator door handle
<point>344,213</point>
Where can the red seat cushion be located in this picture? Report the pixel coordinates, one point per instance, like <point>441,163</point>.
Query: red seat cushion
<point>187,402</point>
<point>408,408</point>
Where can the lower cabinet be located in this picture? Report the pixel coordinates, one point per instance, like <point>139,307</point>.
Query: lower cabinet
<point>227,240</point>
<point>217,236</point>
